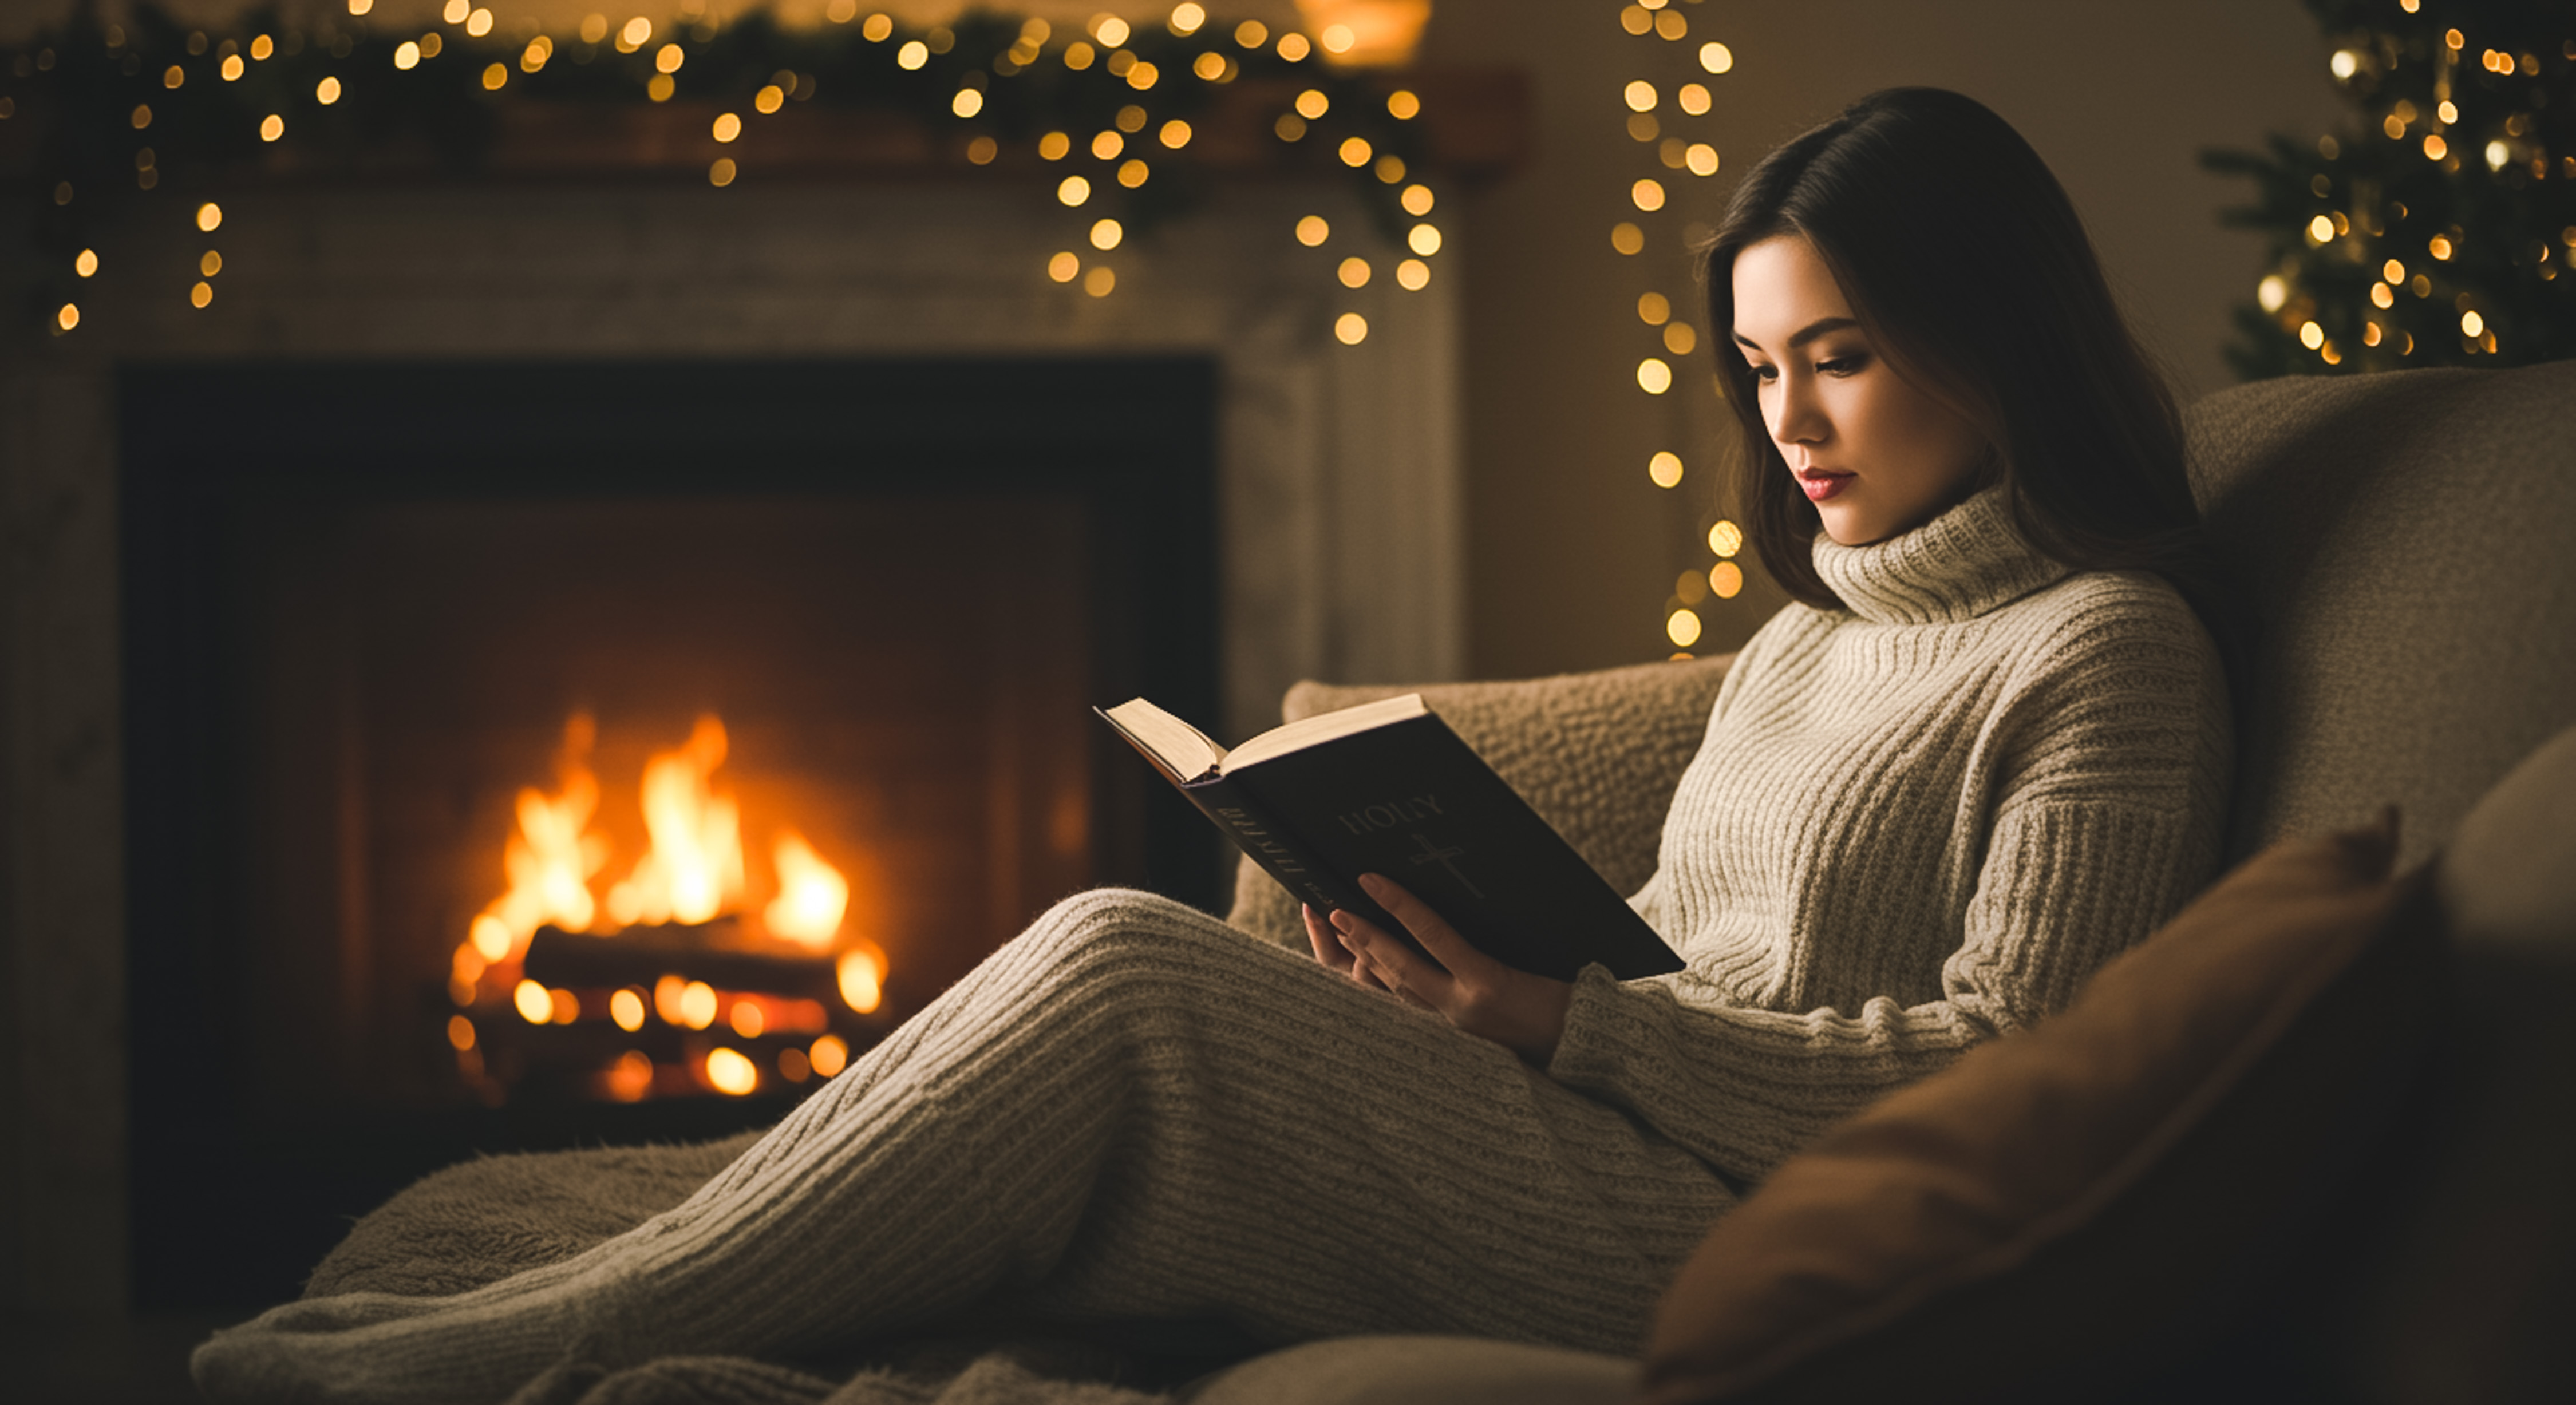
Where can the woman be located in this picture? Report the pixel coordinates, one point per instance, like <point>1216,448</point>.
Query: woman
<point>1985,752</point>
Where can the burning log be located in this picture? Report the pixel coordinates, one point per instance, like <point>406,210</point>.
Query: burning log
<point>709,951</point>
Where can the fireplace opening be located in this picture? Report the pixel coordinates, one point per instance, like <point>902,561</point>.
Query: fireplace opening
<point>524,756</point>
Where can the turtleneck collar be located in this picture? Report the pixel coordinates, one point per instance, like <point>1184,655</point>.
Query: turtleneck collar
<point>1955,567</point>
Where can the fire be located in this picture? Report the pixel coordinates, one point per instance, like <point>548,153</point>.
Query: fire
<point>692,873</point>
<point>812,895</point>
<point>695,869</point>
<point>550,860</point>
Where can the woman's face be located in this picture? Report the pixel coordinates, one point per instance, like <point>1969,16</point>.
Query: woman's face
<point>1874,452</point>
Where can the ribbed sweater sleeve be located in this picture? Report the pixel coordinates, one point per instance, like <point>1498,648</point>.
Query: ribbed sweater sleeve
<point>1869,875</point>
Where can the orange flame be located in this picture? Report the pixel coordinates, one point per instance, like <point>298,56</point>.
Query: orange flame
<point>812,895</point>
<point>549,861</point>
<point>695,869</point>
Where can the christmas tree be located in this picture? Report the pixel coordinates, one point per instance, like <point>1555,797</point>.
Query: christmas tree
<point>2435,230</point>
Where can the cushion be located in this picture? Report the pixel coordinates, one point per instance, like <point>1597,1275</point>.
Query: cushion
<point>1598,755</point>
<point>2468,1295</point>
<point>2110,1192</point>
<point>2398,546</point>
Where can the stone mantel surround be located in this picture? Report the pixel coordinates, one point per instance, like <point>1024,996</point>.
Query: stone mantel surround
<point>1339,485</point>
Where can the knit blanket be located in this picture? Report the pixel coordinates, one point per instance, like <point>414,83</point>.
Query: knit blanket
<point>489,1218</point>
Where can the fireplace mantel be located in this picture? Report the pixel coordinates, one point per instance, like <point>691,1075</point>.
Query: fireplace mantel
<point>1339,479</point>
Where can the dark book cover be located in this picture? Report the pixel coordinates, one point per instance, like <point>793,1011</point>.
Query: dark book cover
<point>1413,802</point>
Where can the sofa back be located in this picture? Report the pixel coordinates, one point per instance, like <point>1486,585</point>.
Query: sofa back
<point>2403,549</point>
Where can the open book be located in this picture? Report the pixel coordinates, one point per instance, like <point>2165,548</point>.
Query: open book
<point>1387,788</point>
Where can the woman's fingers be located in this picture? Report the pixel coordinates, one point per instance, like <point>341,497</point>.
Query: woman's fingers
<point>1432,930</point>
<point>1398,969</point>
<point>1327,943</point>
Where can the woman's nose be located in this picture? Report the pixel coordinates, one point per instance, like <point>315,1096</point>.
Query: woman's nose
<point>1801,420</point>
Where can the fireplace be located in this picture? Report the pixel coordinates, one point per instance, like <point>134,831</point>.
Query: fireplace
<point>529,755</point>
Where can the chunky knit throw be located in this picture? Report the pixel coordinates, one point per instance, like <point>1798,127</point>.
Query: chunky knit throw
<point>1914,824</point>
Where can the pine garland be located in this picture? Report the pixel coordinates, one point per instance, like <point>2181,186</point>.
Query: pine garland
<point>153,113</point>
<point>2438,229</point>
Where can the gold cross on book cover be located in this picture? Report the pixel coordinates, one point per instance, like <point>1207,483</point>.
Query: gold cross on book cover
<point>1388,788</point>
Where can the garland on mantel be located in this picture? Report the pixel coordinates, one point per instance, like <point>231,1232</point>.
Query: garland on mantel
<point>141,122</point>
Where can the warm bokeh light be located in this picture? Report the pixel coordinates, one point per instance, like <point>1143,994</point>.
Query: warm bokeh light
<point>1679,338</point>
<point>630,1078</point>
<point>913,55</point>
<point>769,99</point>
<point>1716,58</point>
<point>533,1003</point>
<point>626,1007</point>
<point>1413,275</point>
<point>1640,95</point>
<point>406,56</point>
<point>1403,105</point>
<point>201,295</point>
<point>1054,146</point>
<point>730,1073</point>
<point>1725,538</point>
<point>327,91</point>
<point>1627,238</point>
<point>1354,272</point>
<point>460,1033</point>
<point>860,974</point>
<point>85,263</point>
<point>1073,191</point>
<point>1423,239</point>
<point>697,1005</point>
<point>1175,134</point>
<point>1654,309</point>
<point>1700,158</point>
<point>1417,200</point>
<point>1106,234</point>
<point>1350,329</point>
<point>1665,468</point>
<point>746,1019</point>
<point>1653,376</point>
<point>2440,248</point>
<point>727,126</point>
<point>1312,104</point>
<point>66,317</point>
<point>1682,627</point>
<point>967,103</point>
<point>1726,580</point>
<point>793,1065</point>
<point>829,1055</point>
<point>1694,99</point>
<point>1065,266</point>
<point>1186,18</point>
<point>1312,231</point>
<point>210,216</point>
<point>1101,281</point>
<point>1355,152</point>
<point>1648,195</point>
<point>668,994</point>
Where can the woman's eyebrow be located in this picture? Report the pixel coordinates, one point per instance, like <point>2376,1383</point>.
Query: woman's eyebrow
<point>1806,334</point>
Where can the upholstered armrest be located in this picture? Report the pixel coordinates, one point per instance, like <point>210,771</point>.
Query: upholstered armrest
<point>1596,754</point>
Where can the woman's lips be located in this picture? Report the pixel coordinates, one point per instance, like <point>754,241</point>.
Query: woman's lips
<point>1822,483</point>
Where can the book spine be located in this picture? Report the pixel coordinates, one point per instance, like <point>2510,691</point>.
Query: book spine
<point>1270,845</point>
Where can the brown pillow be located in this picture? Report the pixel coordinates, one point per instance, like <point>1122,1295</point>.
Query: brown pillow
<point>2068,1210</point>
<point>1596,754</point>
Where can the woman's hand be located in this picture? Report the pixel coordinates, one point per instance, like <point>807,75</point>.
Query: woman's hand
<point>1484,997</point>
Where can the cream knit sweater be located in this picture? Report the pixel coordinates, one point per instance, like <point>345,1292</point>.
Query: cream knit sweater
<point>1914,824</point>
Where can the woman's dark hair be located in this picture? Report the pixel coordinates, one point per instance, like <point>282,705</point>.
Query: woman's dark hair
<point>1967,266</point>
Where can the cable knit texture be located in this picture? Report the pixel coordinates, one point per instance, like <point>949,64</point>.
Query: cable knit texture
<point>1912,824</point>
<point>1915,823</point>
